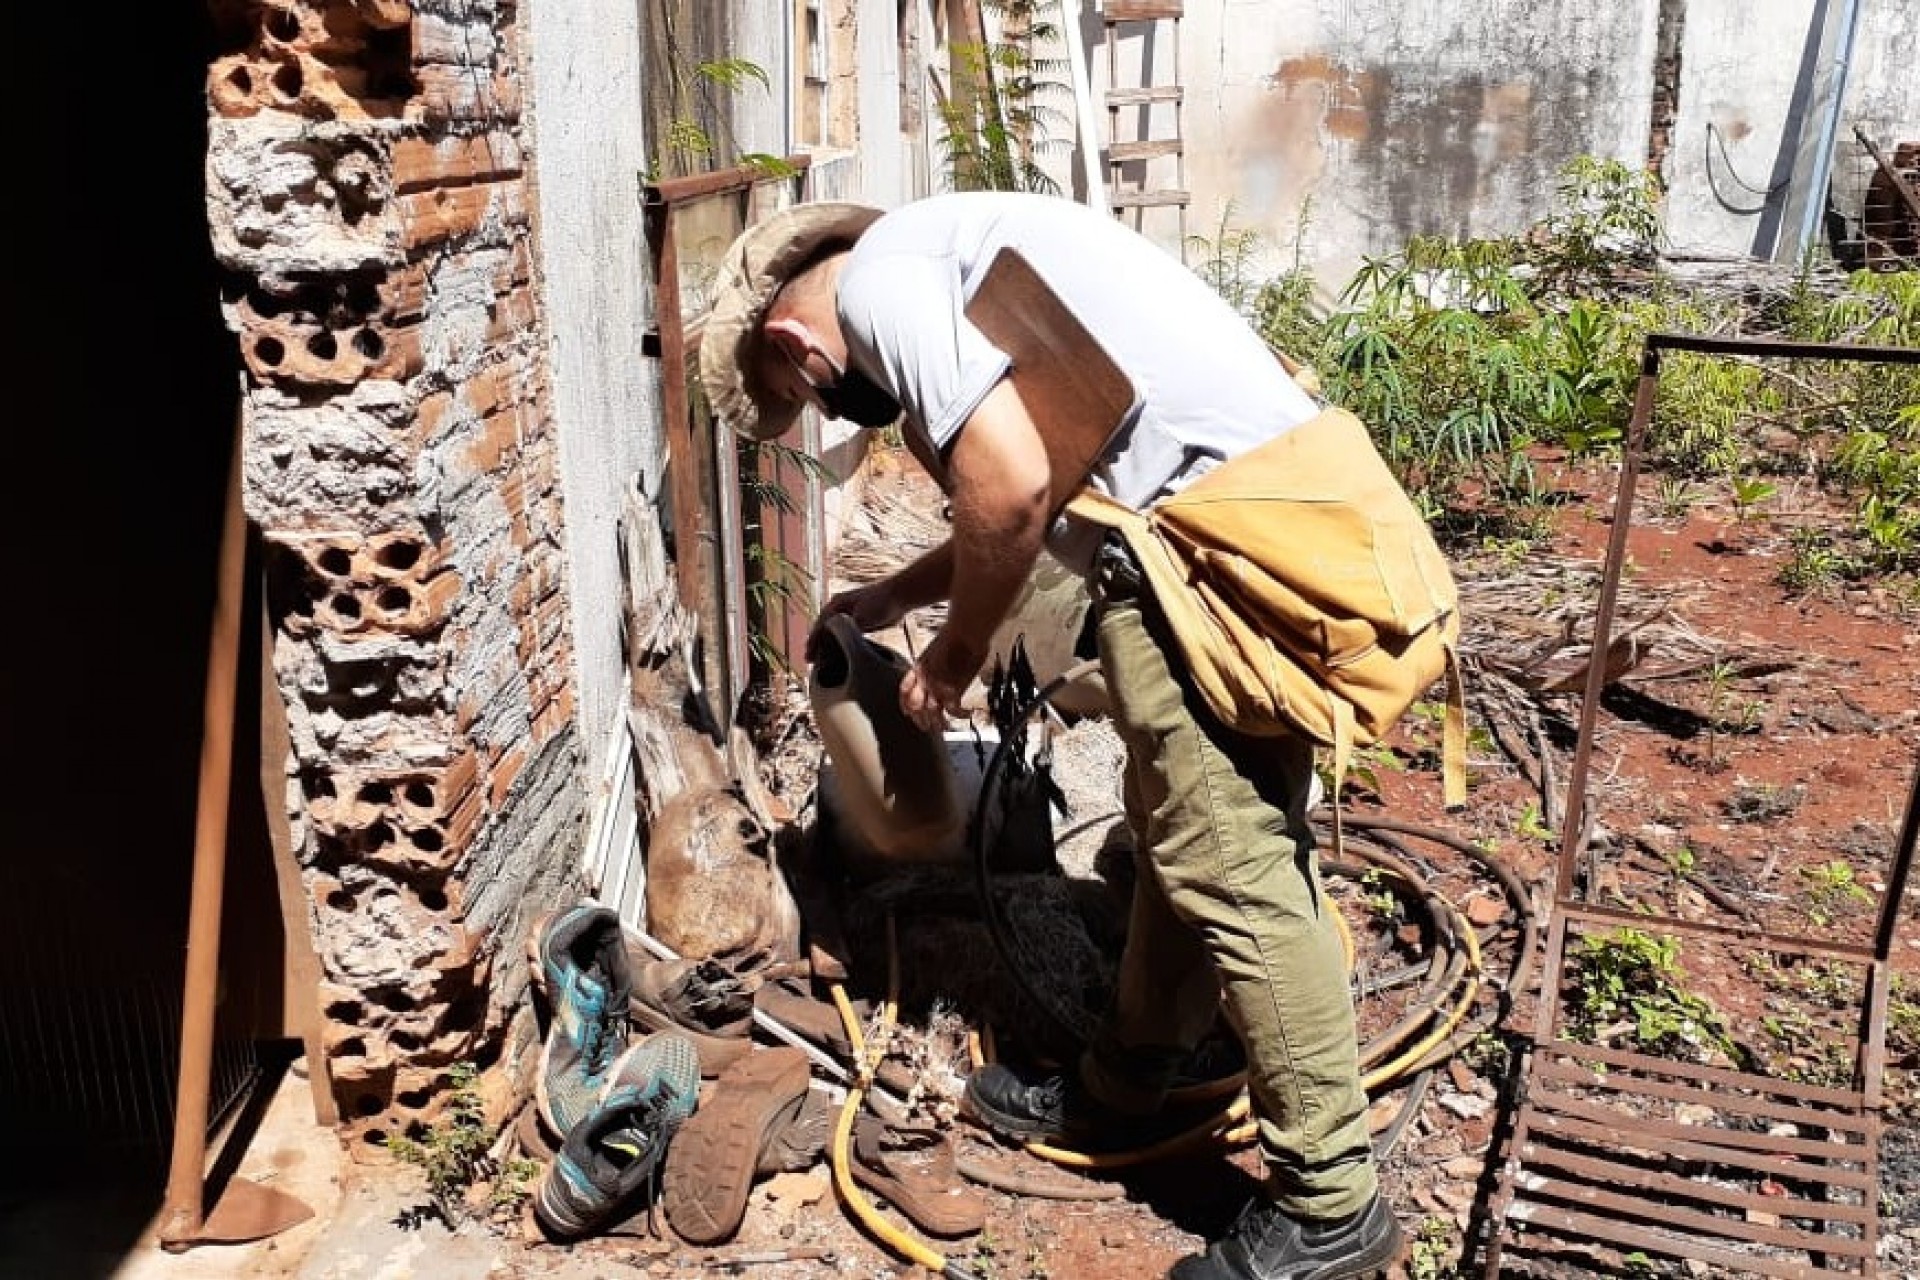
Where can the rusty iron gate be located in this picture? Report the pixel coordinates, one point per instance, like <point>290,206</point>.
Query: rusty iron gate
<point>1616,1158</point>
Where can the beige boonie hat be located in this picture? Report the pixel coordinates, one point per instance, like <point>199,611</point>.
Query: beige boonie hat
<point>752,270</point>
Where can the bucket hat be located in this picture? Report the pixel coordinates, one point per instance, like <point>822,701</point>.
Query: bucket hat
<point>754,267</point>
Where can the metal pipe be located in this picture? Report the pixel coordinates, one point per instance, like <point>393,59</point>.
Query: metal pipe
<point>185,1204</point>
<point>1814,211</point>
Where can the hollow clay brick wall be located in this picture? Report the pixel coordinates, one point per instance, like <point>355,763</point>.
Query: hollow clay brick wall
<point>368,195</point>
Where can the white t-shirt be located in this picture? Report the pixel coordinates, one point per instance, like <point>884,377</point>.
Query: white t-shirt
<point>1206,384</point>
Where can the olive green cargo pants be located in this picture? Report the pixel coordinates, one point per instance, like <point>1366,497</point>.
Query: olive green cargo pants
<point>1228,914</point>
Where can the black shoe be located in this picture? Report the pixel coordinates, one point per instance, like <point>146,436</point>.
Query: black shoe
<point>1058,1110</point>
<point>612,1155</point>
<point>1266,1244</point>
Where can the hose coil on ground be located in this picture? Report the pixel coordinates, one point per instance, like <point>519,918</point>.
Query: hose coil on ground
<point>1443,1013</point>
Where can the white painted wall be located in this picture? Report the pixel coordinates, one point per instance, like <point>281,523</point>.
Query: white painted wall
<point>584,97</point>
<point>1740,119</point>
<point>1347,127</point>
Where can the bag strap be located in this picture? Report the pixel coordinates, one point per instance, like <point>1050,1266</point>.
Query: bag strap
<point>1453,735</point>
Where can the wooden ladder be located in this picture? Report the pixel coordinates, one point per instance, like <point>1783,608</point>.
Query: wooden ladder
<point>1144,142</point>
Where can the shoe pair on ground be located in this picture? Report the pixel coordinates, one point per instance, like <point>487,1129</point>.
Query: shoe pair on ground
<point>1264,1243</point>
<point>614,1104</point>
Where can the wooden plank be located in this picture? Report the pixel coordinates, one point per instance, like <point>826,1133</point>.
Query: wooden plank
<point>1141,10</point>
<point>1148,199</point>
<point>1674,1189</point>
<point>1145,95</point>
<point>1150,149</point>
<point>1675,1219</point>
<point>1722,1101</point>
<point>1576,1055</point>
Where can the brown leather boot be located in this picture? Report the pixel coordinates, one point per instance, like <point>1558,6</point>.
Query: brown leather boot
<point>736,1134</point>
<point>704,999</point>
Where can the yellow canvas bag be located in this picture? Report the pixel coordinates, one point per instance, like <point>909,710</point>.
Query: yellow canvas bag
<point>1305,590</point>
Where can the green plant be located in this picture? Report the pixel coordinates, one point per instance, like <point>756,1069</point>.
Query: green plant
<point>1815,565</point>
<point>1531,825</point>
<point>1606,216</point>
<point>1628,981</point>
<point>991,1260</point>
<point>1762,801</point>
<point>774,580</point>
<point>1720,676</point>
<point>1225,263</point>
<point>1675,497</point>
<point>453,1152</point>
<point>1379,897</point>
<point>1749,492</point>
<point>1429,1250</point>
<point>1833,888</point>
<point>690,145</point>
<point>996,119</point>
<point>1903,1019</point>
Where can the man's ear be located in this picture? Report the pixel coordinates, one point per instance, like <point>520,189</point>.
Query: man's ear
<point>790,337</point>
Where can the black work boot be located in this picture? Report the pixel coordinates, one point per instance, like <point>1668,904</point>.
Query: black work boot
<point>1058,1110</point>
<point>1265,1244</point>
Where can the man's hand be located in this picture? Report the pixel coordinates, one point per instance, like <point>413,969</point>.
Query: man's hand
<point>931,689</point>
<point>872,607</point>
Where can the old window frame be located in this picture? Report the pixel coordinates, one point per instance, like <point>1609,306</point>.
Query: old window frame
<point>690,223</point>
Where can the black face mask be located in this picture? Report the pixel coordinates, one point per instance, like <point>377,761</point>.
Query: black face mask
<point>859,399</point>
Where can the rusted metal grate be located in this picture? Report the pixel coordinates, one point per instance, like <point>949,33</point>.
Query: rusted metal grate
<point>1646,1155</point>
<point>1616,1158</point>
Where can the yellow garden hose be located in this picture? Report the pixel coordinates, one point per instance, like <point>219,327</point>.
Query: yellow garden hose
<point>865,1063</point>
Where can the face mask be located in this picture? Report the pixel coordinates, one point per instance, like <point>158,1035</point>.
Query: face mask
<point>853,396</point>
<point>859,399</point>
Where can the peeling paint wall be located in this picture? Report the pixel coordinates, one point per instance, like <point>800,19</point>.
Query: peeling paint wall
<point>1747,66</point>
<point>1335,130</point>
<point>1344,128</point>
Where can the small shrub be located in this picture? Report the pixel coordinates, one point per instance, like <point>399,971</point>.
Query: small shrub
<point>1629,982</point>
<point>453,1153</point>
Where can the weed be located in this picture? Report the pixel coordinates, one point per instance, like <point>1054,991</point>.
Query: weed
<point>991,1260</point>
<point>1225,263</point>
<point>997,120</point>
<point>1606,214</point>
<point>689,146</point>
<point>1429,1250</point>
<point>1531,825</point>
<point>1720,677</point>
<point>1490,1054</point>
<point>1832,890</point>
<point>1815,566</point>
<point>1749,492</point>
<point>1903,1019</point>
<point>453,1153</point>
<point>775,582</point>
<point>1811,1057</point>
<point>1629,982</point>
<point>1675,497</point>
<point>1379,898</point>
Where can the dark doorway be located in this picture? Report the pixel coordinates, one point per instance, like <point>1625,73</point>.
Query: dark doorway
<point>124,394</point>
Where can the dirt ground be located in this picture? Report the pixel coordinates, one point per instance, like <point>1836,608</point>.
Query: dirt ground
<point>1751,764</point>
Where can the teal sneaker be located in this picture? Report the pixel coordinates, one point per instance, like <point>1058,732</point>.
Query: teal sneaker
<point>580,964</point>
<point>610,1163</point>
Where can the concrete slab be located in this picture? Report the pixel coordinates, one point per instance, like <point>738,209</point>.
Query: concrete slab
<point>290,1153</point>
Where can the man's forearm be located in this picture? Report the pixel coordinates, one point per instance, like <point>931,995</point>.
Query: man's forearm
<point>926,580</point>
